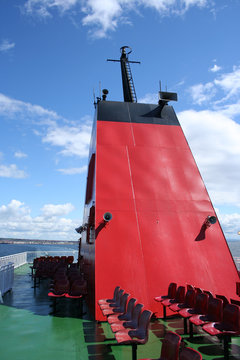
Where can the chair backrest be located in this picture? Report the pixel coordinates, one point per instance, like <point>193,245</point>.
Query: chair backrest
<point>231,317</point>
<point>172,290</point>
<point>180,294</point>
<point>189,300</point>
<point>129,312</point>
<point>118,298</point>
<point>170,346</point>
<point>209,293</point>
<point>188,353</point>
<point>201,305</point>
<point>134,322</point>
<point>190,287</point>
<point>115,293</point>
<point>224,299</point>
<point>215,309</point>
<point>236,302</point>
<point>198,290</point>
<point>142,331</point>
<point>123,303</point>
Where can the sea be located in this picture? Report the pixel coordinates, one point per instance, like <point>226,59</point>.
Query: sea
<point>9,249</point>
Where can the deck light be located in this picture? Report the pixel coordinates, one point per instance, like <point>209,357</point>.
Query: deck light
<point>210,220</point>
<point>107,216</point>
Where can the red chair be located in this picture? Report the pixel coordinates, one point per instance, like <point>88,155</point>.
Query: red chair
<point>170,347</point>
<point>123,317</point>
<point>188,353</point>
<point>137,336</point>
<point>114,299</point>
<point>121,309</point>
<point>172,288</point>
<point>228,327</point>
<point>224,299</point>
<point>179,298</point>
<point>200,307</point>
<point>188,302</point>
<point>113,304</point>
<point>214,313</point>
<point>131,323</point>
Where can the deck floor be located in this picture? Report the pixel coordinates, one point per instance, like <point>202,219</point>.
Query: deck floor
<point>30,331</point>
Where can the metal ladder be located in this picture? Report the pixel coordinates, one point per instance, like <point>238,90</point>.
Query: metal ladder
<point>130,81</point>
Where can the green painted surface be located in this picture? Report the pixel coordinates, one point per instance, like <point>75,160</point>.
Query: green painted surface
<point>29,332</point>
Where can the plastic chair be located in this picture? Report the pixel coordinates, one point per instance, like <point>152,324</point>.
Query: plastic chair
<point>124,317</point>
<point>200,307</point>
<point>224,299</point>
<point>131,323</point>
<point>137,336</point>
<point>228,327</point>
<point>120,309</point>
<point>115,303</point>
<point>114,299</point>
<point>214,313</point>
<point>188,353</point>
<point>179,298</point>
<point>188,302</point>
<point>172,288</point>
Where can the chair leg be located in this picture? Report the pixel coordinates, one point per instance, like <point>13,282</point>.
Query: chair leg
<point>226,341</point>
<point>190,330</point>
<point>164,312</point>
<point>185,325</point>
<point>134,351</point>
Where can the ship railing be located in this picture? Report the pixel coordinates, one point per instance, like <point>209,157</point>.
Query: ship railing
<point>6,278</point>
<point>17,259</point>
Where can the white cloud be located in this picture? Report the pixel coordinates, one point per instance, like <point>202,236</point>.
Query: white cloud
<point>105,15</point>
<point>215,68</point>
<point>12,171</point>
<point>20,154</point>
<point>50,210</point>
<point>230,224</point>
<point>6,45</point>
<point>73,139</point>
<point>16,221</point>
<point>202,92</point>
<point>73,171</point>
<point>149,99</point>
<point>230,82</point>
<point>10,107</point>
<point>214,141</point>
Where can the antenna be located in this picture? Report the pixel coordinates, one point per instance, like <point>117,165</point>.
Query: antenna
<point>129,92</point>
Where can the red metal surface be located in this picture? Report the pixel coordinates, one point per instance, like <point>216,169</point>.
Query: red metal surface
<point>147,178</point>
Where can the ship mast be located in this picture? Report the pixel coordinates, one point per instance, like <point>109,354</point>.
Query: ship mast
<point>129,92</point>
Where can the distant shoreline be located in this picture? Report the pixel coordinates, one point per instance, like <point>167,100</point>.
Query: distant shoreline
<point>35,242</point>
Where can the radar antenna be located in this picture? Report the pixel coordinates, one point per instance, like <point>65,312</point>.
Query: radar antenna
<point>129,92</point>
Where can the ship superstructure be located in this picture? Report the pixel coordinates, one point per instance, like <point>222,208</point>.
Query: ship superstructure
<point>148,219</point>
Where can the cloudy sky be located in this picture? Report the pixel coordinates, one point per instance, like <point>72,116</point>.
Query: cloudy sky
<point>53,59</point>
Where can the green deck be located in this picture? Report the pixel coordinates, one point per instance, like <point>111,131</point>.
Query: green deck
<point>28,331</point>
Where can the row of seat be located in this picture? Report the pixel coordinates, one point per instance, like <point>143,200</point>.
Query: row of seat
<point>68,282</point>
<point>216,315</point>
<point>130,324</point>
<point>46,266</point>
<point>128,321</point>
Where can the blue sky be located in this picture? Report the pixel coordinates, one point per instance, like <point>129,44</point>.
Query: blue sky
<point>53,57</point>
